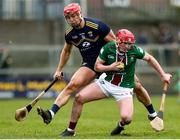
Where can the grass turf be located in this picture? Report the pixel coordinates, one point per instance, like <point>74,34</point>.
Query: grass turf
<point>97,121</point>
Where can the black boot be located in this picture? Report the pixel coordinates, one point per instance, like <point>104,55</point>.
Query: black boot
<point>117,130</point>
<point>67,133</point>
<point>45,114</point>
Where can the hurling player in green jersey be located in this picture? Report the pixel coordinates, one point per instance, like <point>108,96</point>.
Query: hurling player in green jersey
<point>117,60</point>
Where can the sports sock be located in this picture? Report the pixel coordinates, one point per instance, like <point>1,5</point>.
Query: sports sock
<point>72,125</point>
<point>70,130</point>
<point>54,109</point>
<point>153,114</point>
<point>150,109</point>
<point>121,124</point>
<point>52,113</point>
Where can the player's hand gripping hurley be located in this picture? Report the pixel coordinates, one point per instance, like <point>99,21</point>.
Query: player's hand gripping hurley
<point>22,113</point>
<point>157,124</point>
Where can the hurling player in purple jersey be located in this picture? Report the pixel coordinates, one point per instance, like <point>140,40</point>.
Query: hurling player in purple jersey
<point>88,35</point>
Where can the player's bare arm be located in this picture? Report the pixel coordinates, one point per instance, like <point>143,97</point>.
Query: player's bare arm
<point>100,67</point>
<point>153,62</point>
<point>110,36</point>
<point>64,57</point>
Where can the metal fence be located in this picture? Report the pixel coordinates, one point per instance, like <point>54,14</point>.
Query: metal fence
<point>39,60</point>
<point>45,22</point>
<point>43,59</point>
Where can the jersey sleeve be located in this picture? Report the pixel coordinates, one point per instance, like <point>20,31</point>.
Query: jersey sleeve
<point>103,53</point>
<point>103,29</point>
<point>139,53</point>
<point>67,40</point>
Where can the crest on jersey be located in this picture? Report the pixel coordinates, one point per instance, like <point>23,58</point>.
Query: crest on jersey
<point>90,33</point>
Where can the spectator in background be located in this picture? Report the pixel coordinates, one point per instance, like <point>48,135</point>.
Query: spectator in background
<point>178,37</point>
<point>142,37</point>
<point>5,61</point>
<point>166,37</point>
<point>165,34</point>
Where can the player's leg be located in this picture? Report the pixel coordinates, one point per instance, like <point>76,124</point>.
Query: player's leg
<point>89,93</point>
<point>78,80</point>
<point>126,112</point>
<point>144,98</point>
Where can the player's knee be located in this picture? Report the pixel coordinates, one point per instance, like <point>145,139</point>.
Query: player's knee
<point>79,99</point>
<point>138,85</point>
<point>74,85</point>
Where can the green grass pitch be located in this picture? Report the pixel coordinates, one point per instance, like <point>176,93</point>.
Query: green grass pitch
<point>97,121</point>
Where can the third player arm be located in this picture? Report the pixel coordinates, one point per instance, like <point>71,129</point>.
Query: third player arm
<point>110,36</point>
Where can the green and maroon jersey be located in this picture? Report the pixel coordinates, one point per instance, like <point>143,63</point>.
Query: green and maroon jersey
<point>125,77</point>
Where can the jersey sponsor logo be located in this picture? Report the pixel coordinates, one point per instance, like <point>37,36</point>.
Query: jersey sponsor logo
<point>83,39</point>
<point>110,56</point>
<point>86,48</point>
<point>86,44</point>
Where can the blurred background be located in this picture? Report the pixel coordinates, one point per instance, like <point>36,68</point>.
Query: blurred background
<point>32,36</point>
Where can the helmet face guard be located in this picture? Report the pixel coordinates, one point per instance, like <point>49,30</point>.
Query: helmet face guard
<point>125,39</point>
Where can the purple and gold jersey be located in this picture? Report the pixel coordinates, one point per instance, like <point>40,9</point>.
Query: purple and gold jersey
<point>89,40</point>
<point>124,77</point>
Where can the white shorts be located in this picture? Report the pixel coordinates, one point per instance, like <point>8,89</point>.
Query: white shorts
<point>115,91</point>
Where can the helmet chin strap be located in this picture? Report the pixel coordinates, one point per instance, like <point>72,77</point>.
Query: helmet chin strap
<point>119,49</point>
<point>80,21</point>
